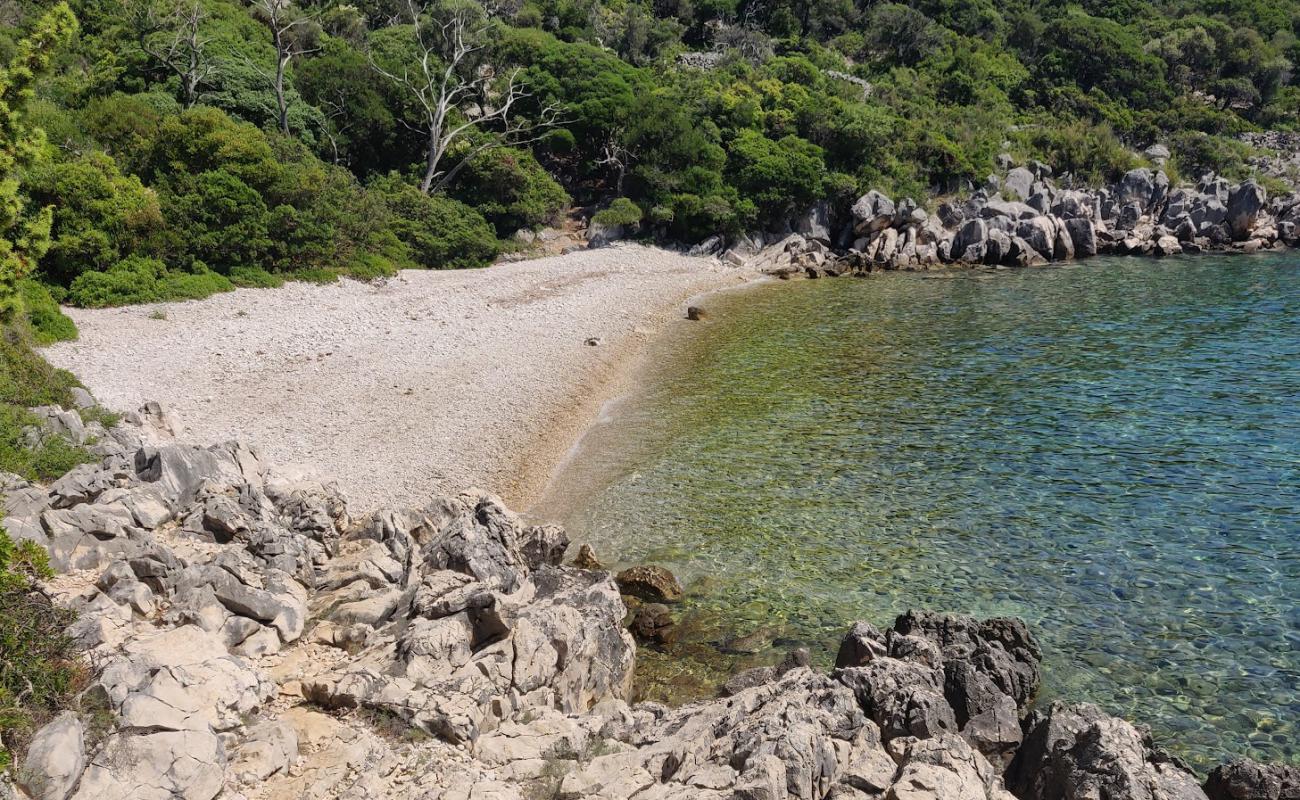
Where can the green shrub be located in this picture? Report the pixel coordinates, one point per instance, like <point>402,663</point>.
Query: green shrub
<point>509,188</point>
<point>369,266</point>
<point>219,219</point>
<point>254,278</point>
<point>39,672</point>
<point>145,280</point>
<point>1195,153</point>
<point>777,176</point>
<point>100,215</point>
<point>441,233</point>
<point>621,211</point>
<point>27,380</point>
<point>48,323</point>
<point>319,276</point>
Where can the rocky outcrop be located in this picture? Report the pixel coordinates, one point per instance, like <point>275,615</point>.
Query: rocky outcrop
<point>933,672</point>
<point>253,638</point>
<point>1073,751</point>
<point>1023,219</point>
<point>1250,780</point>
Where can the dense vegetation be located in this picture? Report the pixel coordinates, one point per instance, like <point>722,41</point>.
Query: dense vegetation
<point>195,145</point>
<point>39,672</point>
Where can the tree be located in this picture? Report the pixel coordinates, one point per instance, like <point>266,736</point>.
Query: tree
<point>24,237</point>
<point>453,89</point>
<point>294,34</point>
<point>172,38</point>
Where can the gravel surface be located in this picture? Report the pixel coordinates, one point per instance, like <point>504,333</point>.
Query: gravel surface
<point>431,382</point>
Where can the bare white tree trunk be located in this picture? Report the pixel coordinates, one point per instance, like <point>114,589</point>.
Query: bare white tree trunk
<point>444,81</point>
<point>180,47</point>
<point>290,29</point>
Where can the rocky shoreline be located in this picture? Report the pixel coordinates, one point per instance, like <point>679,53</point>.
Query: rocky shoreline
<point>253,638</point>
<point>1022,218</point>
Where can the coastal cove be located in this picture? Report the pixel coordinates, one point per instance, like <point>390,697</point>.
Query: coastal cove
<point>1102,449</point>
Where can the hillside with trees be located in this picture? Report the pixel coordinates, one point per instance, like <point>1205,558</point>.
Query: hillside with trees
<point>190,146</point>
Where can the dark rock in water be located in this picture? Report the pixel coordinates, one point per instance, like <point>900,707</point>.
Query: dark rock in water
<point>1250,780</point>
<point>654,623</point>
<point>1074,751</point>
<point>1084,235</point>
<point>695,313</point>
<point>862,644</point>
<point>758,676</point>
<point>649,583</point>
<point>970,245</point>
<point>750,643</point>
<point>586,559</point>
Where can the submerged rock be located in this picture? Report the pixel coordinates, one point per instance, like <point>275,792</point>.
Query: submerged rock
<point>650,583</point>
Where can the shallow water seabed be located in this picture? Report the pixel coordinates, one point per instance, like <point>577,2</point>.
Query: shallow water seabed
<point>1110,450</point>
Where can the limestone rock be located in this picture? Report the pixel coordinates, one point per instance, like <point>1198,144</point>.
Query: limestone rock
<point>873,212</point>
<point>1244,206</point>
<point>55,759</point>
<point>1249,780</point>
<point>155,766</point>
<point>1073,751</point>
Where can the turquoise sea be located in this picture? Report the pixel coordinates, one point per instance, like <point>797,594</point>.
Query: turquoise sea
<point>1110,450</point>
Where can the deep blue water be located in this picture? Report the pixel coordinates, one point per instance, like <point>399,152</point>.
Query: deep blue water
<point>1109,450</point>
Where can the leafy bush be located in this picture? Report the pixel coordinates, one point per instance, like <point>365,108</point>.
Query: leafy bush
<point>778,176</point>
<point>27,380</point>
<point>48,323</point>
<point>100,215</point>
<point>621,211</point>
<point>510,189</point>
<point>254,278</point>
<point>140,279</point>
<point>39,672</point>
<point>441,233</point>
<point>219,219</point>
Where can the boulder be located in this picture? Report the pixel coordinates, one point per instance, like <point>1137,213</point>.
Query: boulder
<point>650,583</point>
<point>1019,183</point>
<point>1074,751</point>
<point>1083,234</point>
<point>1244,206</point>
<point>1136,187</point>
<point>863,644</point>
<point>271,747</point>
<point>1168,246</point>
<point>55,759</point>
<point>653,623</point>
<point>816,222</point>
<point>1157,154</point>
<point>1249,780</point>
<point>1040,234</point>
<point>970,244</point>
<point>586,558</point>
<point>943,768</point>
<point>1063,244</point>
<point>156,766</point>
<point>873,212</point>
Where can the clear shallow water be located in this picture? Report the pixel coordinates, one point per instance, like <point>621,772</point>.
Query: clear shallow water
<point>1110,451</point>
